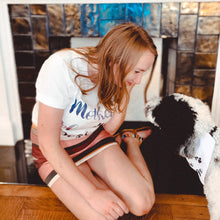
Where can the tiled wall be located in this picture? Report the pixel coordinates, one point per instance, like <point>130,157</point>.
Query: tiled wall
<point>189,29</point>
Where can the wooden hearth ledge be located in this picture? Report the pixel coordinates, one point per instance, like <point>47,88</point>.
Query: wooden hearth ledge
<point>38,202</point>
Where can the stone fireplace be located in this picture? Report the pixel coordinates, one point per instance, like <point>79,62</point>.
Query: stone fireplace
<point>189,32</point>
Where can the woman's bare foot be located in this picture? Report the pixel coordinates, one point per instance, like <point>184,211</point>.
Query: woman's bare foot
<point>137,136</point>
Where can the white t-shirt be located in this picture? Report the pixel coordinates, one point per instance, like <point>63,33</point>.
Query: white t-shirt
<point>56,88</point>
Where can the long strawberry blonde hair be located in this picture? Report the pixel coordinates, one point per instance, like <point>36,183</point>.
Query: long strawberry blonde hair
<point>122,45</point>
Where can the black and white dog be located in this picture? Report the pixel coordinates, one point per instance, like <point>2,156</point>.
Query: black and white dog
<point>187,125</point>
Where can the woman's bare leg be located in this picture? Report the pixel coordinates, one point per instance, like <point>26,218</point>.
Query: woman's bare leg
<point>135,155</point>
<point>127,176</point>
<point>131,181</point>
<point>73,200</point>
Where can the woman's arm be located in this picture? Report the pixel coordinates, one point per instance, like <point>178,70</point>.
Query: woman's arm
<point>118,117</point>
<point>115,122</point>
<point>49,124</point>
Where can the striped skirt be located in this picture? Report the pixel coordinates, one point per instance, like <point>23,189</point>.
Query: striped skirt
<point>80,150</point>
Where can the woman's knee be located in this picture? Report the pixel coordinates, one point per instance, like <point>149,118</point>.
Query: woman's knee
<point>142,203</point>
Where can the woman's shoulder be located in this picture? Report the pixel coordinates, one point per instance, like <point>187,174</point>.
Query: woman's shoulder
<point>70,57</point>
<point>68,60</point>
<point>65,54</point>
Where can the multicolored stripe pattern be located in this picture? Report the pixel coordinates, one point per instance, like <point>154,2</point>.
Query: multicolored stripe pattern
<point>79,152</point>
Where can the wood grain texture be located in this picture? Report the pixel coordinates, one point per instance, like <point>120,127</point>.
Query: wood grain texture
<point>24,202</point>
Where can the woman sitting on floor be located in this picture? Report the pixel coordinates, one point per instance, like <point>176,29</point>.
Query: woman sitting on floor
<point>82,97</point>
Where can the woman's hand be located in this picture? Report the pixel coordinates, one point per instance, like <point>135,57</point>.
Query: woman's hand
<point>108,204</point>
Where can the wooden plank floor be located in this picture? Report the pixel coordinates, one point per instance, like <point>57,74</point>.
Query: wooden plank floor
<point>29,202</point>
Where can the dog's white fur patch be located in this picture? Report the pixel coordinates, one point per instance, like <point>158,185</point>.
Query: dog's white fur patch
<point>200,162</point>
<point>203,124</point>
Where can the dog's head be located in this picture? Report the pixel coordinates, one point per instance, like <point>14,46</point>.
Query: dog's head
<point>181,120</point>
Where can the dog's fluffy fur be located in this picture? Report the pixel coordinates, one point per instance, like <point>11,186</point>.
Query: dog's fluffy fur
<point>183,120</point>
